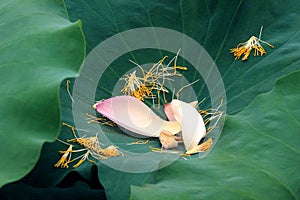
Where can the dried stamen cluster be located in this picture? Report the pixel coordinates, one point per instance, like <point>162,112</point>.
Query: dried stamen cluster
<point>246,47</point>
<point>152,79</point>
<point>99,120</point>
<point>90,145</point>
<point>139,142</point>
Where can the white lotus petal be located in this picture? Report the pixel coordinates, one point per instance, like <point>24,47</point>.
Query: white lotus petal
<point>192,124</point>
<point>133,115</point>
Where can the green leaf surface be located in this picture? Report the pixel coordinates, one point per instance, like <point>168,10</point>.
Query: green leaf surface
<point>218,26</point>
<point>47,182</point>
<point>258,156</point>
<point>39,48</point>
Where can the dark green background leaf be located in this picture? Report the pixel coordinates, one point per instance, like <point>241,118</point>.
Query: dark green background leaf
<point>47,182</point>
<point>257,157</point>
<point>19,190</point>
<point>39,48</point>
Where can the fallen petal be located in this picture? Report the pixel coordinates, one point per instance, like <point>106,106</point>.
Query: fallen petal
<point>133,115</point>
<point>192,124</point>
<point>169,112</point>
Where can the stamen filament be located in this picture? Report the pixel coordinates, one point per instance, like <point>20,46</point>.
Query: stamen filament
<point>246,47</point>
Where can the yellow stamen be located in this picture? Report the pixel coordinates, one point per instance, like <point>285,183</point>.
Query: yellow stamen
<point>139,142</point>
<point>79,162</point>
<point>156,150</point>
<point>91,146</point>
<point>161,150</point>
<point>181,68</point>
<point>99,120</point>
<point>181,89</point>
<point>209,114</point>
<point>84,157</point>
<point>111,151</point>
<point>71,127</point>
<point>152,79</point>
<point>68,90</point>
<point>201,148</point>
<point>162,60</point>
<point>65,159</point>
<point>246,48</point>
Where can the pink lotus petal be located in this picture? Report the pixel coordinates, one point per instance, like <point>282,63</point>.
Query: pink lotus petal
<point>192,124</point>
<point>132,114</point>
<point>169,112</point>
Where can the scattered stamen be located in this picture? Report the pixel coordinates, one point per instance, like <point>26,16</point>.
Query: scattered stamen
<point>99,120</point>
<point>84,157</point>
<point>111,151</point>
<point>201,148</point>
<point>68,90</point>
<point>139,142</point>
<point>65,159</point>
<point>152,79</point>
<point>161,150</point>
<point>210,114</point>
<point>246,47</point>
<point>92,147</point>
<point>181,89</point>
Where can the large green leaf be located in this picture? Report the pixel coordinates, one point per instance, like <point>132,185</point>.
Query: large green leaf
<point>217,26</point>
<point>258,156</point>
<point>39,48</point>
<point>47,182</point>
